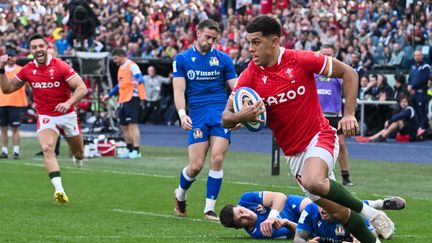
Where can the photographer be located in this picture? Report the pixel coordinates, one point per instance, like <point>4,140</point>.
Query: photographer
<point>82,22</point>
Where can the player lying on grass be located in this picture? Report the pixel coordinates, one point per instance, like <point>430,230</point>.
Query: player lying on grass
<point>275,215</point>
<point>316,225</point>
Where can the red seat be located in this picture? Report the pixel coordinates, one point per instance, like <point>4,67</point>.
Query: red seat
<point>403,138</point>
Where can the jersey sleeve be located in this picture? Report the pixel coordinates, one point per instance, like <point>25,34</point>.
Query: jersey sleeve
<point>249,198</point>
<point>293,202</point>
<point>135,69</point>
<point>178,67</point>
<point>312,61</point>
<point>21,75</point>
<point>66,71</point>
<point>305,222</point>
<point>230,71</point>
<point>282,233</point>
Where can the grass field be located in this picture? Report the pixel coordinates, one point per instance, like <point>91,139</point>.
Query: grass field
<point>132,200</point>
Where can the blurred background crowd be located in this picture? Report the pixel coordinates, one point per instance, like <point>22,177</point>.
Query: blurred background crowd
<point>370,36</point>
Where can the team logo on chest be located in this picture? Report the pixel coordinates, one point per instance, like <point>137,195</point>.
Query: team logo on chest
<point>340,231</point>
<point>289,73</point>
<point>214,61</point>
<point>51,73</point>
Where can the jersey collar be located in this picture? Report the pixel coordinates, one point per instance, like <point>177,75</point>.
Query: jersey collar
<point>196,50</point>
<point>49,58</point>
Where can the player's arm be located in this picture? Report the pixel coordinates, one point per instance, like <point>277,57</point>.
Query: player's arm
<point>338,69</point>
<point>276,201</point>
<point>304,236</point>
<point>80,91</point>
<point>8,86</point>
<point>248,112</point>
<point>179,86</point>
<point>232,82</point>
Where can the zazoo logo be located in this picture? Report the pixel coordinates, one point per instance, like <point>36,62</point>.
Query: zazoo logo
<point>46,85</point>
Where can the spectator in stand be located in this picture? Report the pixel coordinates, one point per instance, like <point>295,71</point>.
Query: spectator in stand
<point>366,58</point>
<point>303,43</point>
<point>243,61</point>
<point>397,56</point>
<point>62,47</point>
<point>364,81</point>
<point>355,63</point>
<point>417,87</point>
<point>400,87</point>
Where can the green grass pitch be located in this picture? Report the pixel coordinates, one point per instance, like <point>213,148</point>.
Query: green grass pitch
<point>116,200</point>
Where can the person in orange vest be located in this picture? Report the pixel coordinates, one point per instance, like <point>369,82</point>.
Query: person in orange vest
<point>11,107</point>
<point>130,90</point>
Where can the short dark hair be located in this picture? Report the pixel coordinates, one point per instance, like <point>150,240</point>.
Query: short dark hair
<point>403,96</point>
<point>264,24</point>
<point>35,37</point>
<point>210,24</point>
<point>226,216</point>
<point>329,46</point>
<point>119,52</point>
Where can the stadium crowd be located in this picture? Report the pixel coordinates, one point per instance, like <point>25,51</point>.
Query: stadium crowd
<point>367,35</point>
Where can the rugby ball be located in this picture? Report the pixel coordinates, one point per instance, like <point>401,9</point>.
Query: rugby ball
<point>240,97</point>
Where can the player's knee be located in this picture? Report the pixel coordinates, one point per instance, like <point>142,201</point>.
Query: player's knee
<point>314,186</point>
<point>47,149</point>
<point>195,169</point>
<point>217,159</point>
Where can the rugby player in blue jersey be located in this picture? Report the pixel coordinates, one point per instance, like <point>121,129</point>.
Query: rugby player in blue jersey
<point>258,214</point>
<point>199,77</point>
<point>316,225</point>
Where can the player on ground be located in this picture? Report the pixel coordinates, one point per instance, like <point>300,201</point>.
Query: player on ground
<point>199,77</point>
<point>285,81</point>
<point>255,210</point>
<point>330,95</point>
<point>131,91</point>
<point>51,80</point>
<point>316,225</point>
<point>11,107</point>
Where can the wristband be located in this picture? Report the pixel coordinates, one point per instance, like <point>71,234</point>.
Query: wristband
<point>273,214</point>
<point>2,70</point>
<point>181,113</point>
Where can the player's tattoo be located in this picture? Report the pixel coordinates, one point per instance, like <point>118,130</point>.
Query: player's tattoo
<point>302,236</point>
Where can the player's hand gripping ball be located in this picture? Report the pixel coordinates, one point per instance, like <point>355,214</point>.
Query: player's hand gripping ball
<point>240,96</point>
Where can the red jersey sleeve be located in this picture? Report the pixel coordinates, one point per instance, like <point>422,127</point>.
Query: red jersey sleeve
<point>66,71</point>
<point>21,74</point>
<point>312,61</point>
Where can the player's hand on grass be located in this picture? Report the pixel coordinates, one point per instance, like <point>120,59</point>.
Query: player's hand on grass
<point>251,112</point>
<point>63,107</point>
<point>349,125</point>
<point>266,227</point>
<point>186,123</point>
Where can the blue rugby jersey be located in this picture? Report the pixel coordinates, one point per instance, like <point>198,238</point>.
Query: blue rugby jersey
<point>254,201</point>
<point>205,76</point>
<point>328,231</point>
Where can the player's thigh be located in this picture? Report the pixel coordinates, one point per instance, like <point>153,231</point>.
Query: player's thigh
<point>70,125</point>
<point>4,116</point>
<point>218,148</point>
<point>15,116</point>
<point>47,138</point>
<point>75,143</point>
<point>132,110</point>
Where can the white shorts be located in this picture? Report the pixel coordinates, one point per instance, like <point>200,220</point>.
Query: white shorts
<point>67,125</point>
<point>320,146</point>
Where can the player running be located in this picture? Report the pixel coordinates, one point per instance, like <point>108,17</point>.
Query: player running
<point>285,81</point>
<point>51,80</point>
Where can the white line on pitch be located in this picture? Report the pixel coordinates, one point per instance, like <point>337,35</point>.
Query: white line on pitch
<point>160,215</point>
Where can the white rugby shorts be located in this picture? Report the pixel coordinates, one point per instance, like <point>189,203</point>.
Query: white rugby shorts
<point>320,146</point>
<point>67,125</point>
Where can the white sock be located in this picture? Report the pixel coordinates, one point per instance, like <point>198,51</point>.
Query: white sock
<point>368,212</point>
<point>16,149</point>
<point>56,181</point>
<point>377,204</point>
<point>210,205</point>
<point>4,150</point>
<point>181,194</point>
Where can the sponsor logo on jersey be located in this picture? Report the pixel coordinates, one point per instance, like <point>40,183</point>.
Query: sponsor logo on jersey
<point>264,79</point>
<point>45,85</point>
<point>324,91</point>
<point>34,71</point>
<point>197,133</point>
<point>214,61</point>
<point>193,59</point>
<point>202,75</point>
<point>285,96</point>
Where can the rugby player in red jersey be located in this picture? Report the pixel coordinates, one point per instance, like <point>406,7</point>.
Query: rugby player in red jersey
<point>51,80</point>
<point>285,81</point>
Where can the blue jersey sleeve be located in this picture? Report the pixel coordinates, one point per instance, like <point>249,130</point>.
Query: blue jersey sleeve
<point>282,233</point>
<point>178,67</point>
<point>293,202</point>
<point>251,198</point>
<point>305,222</point>
<point>230,71</point>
